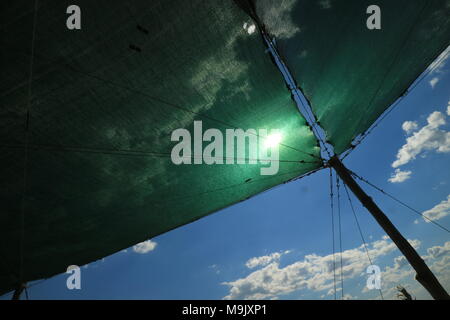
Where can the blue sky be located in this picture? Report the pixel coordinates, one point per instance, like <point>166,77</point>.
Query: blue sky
<point>277,244</point>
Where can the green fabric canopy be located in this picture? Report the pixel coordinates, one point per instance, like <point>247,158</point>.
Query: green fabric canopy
<point>351,74</point>
<point>92,174</point>
<point>87,115</point>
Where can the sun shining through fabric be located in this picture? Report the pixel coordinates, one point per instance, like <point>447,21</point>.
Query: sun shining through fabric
<point>105,100</point>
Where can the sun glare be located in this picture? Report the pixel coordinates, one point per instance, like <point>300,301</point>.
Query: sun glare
<point>273,140</point>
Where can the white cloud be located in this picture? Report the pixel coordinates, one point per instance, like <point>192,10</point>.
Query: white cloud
<point>277,17</point>
<point>325,4</point>
<point>415,243</point>
<point>400,261</point>
<point>436,69</point>
<point>409,126</point>
<point>448,109</point>
<point>438,211</point>
<point>399,273</point>
<point>438,251</point>
<point>399,176</point>
<point>213,73</point>
<point>250,28</point>
<point>313,272</point>
<point>264,260</point>
<point>428,138</point>
<point>331,291</point>
<point>144,247</point>
<point>215,268</point>
<point>434,81</point>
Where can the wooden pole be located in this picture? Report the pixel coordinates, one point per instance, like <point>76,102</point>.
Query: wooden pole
<point>423,273</point>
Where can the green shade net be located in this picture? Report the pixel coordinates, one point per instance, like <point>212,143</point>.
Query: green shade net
<point>92,174</point>
<point>351,74</point>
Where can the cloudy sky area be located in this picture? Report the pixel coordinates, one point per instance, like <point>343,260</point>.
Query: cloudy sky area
<point>278,245</point>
